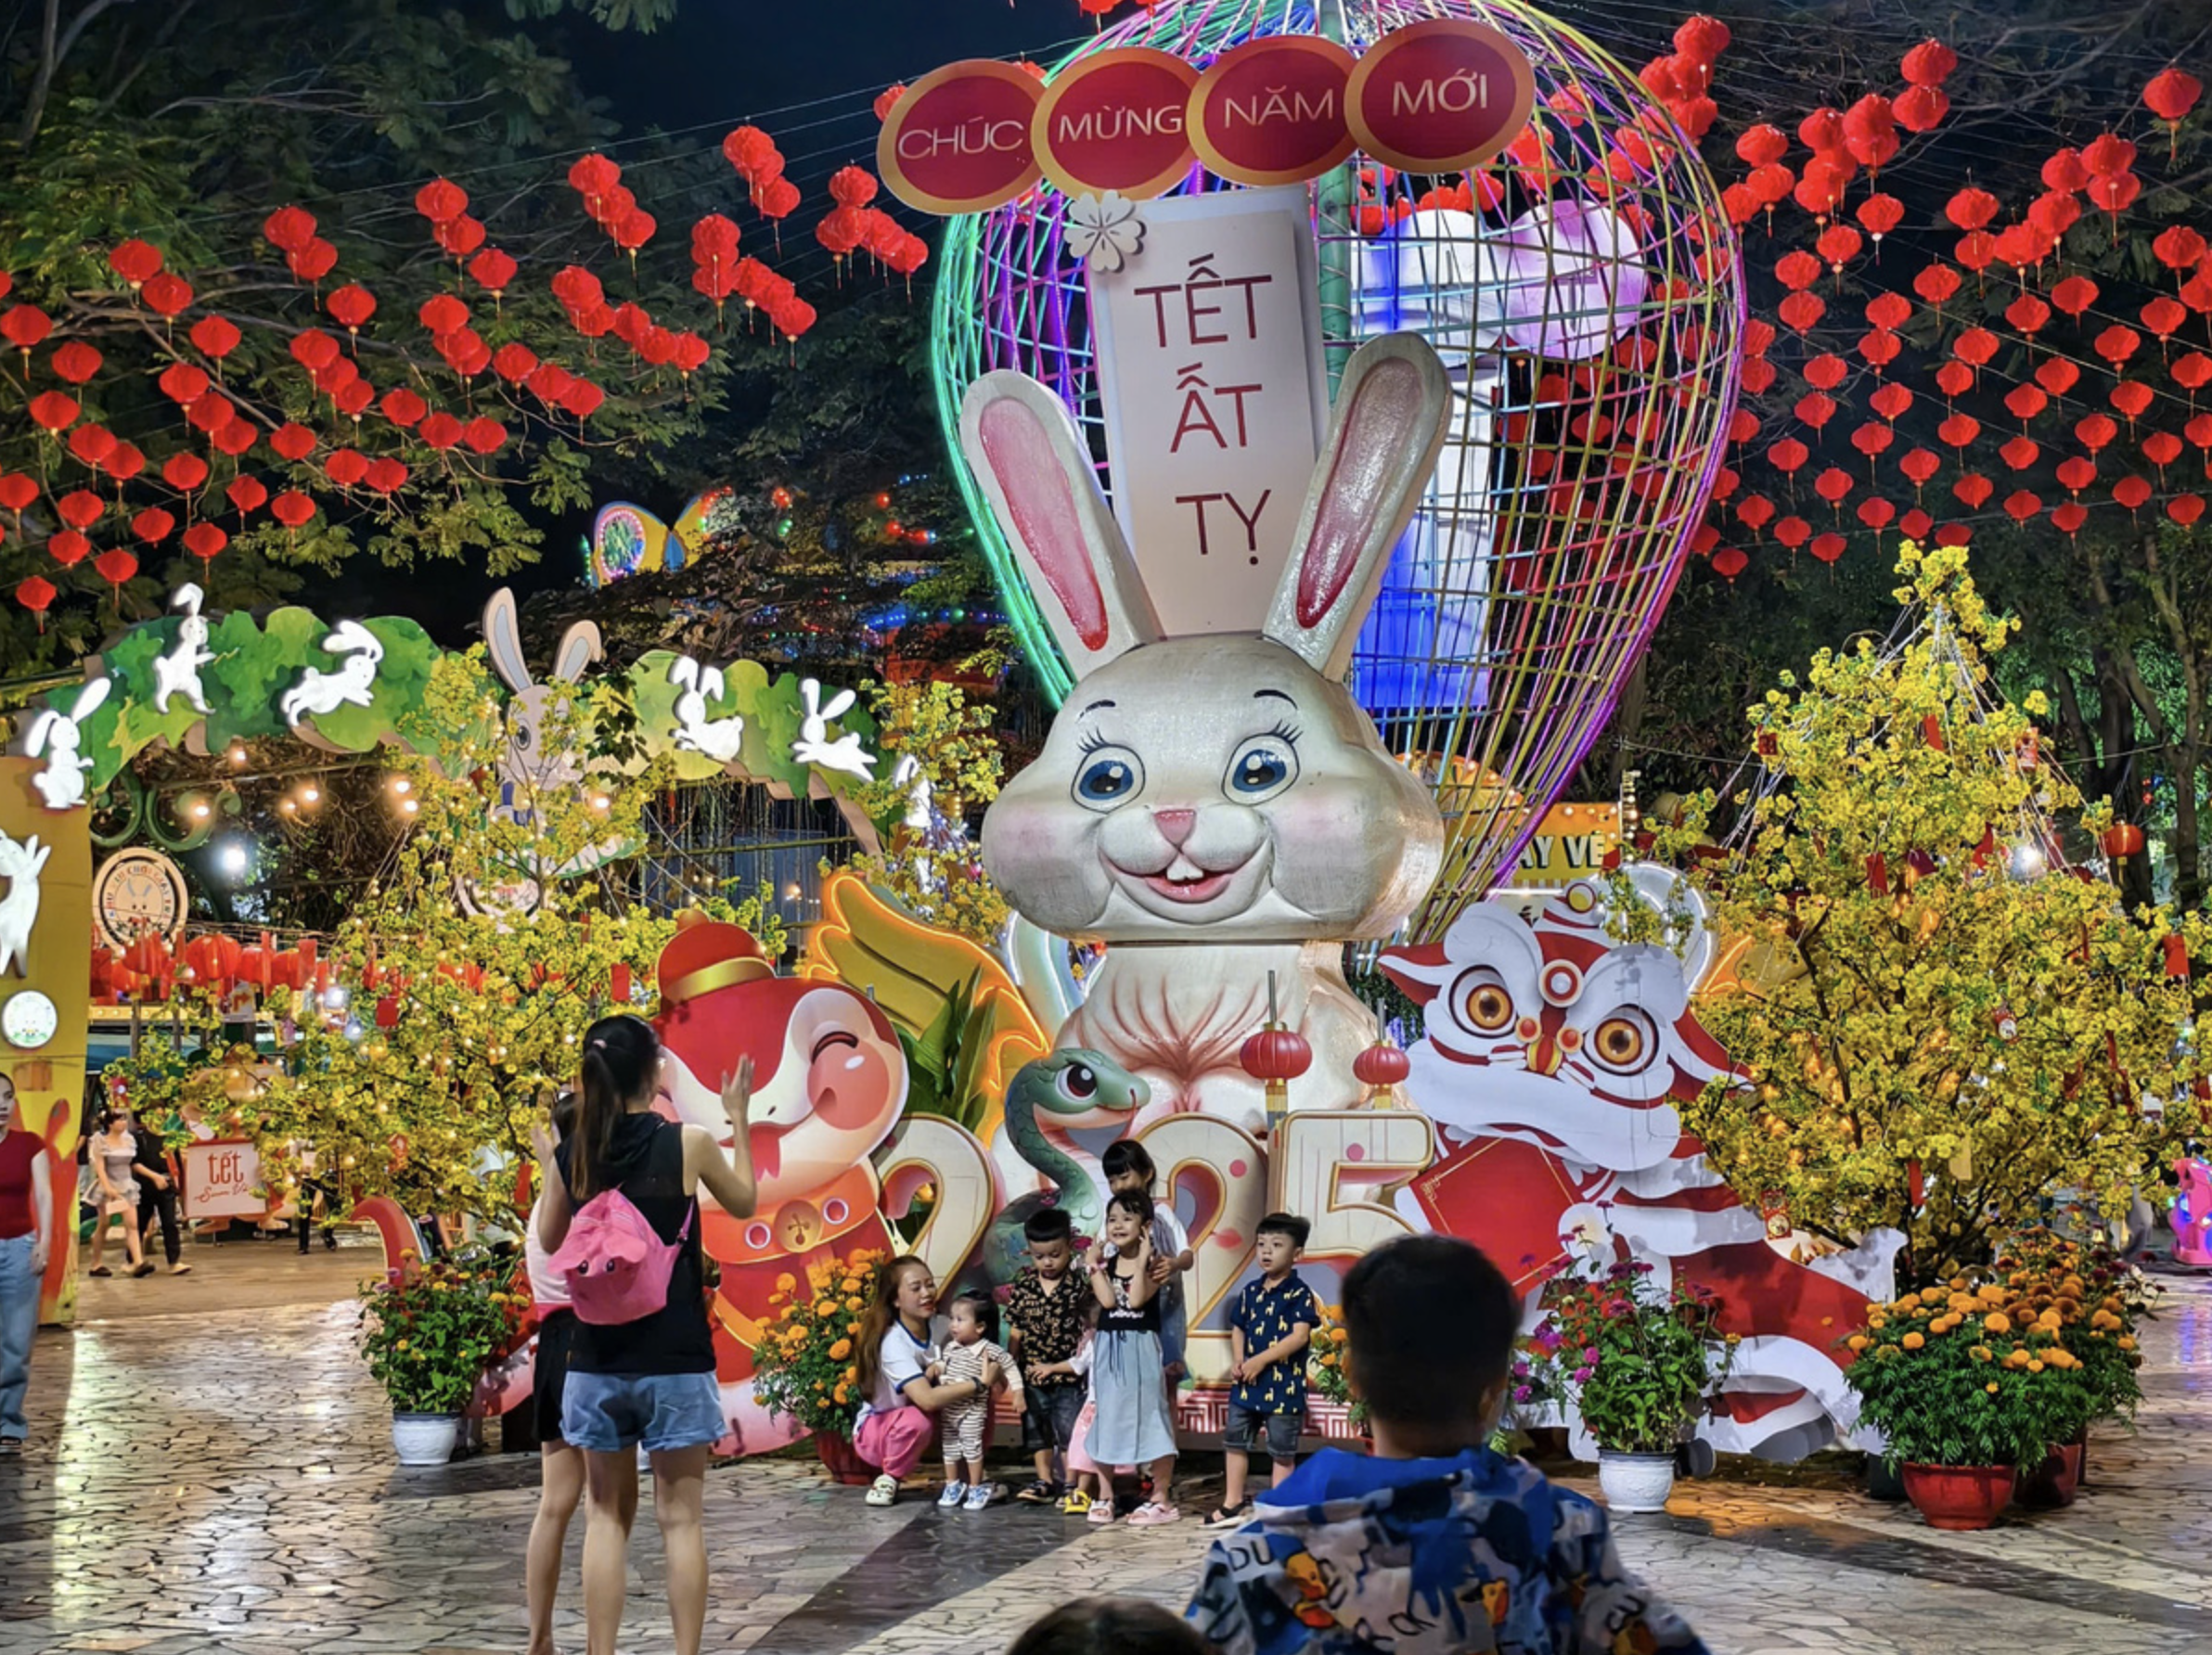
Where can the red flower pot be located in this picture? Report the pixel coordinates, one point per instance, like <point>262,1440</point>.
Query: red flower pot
<point>1960,1497</point>
<point>2052,1484</point>
<point>841,1461</point>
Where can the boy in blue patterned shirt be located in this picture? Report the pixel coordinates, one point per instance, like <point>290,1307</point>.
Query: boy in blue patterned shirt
<point>1436,1544</point>
<point>1269,1332</point>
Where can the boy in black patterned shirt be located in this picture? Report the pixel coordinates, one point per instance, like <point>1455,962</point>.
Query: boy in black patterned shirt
<point>1047,1310</point>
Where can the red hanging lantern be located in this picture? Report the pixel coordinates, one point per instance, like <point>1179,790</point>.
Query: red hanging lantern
<point>37,595</point>
<point>293,509</point>
<point>2171,95</point>
<point>152,525</point>
<point>53,411</point>
<point>1936,285</point>
<point>205,541</point>
<point>1380,1067</point>
<point>492,271</point>
<point>439,200</point>
<point>2130,397</point>
<point>2123,840</point>
<point>118,568</point>
<point>1929,64</point>
<point>350,306</point>
<point>888,98</point>
<point>136,263</point>
<point>313,261</point>
<point>76,361</point>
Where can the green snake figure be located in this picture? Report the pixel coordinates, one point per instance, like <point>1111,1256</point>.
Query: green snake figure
<point>1072,1084</point>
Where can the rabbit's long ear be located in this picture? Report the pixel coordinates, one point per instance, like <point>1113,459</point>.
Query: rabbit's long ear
<point>1383,439</point>
<point>186,597</point>
<point>503,641</point>
<point>91,698</point>
<point>579,648</point>
<point>1038,473</point>
<point>35,739</point>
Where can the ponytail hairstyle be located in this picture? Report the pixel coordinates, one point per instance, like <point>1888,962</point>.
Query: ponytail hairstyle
<point>875,1322</point>
<point>621,1055</point>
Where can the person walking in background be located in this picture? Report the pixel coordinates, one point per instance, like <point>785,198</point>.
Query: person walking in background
<point>311,1203</point>
<point>26,1244</point>
<point>645,1380</point>
<point>157,1193</point>
<point>561,1463</point>
<point>114,1157</point>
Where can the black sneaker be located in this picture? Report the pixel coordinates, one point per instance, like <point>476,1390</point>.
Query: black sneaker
<point>1038,1493</point>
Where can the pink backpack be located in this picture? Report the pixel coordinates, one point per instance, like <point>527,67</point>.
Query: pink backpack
<point>614,1262</point>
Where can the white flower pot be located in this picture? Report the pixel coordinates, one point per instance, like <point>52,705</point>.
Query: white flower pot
<point>424,1439</point>
<point>1636,1482</point>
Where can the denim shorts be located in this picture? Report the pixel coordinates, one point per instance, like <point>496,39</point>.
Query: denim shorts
<point>1242,1433</point>
<point>609,1411</point>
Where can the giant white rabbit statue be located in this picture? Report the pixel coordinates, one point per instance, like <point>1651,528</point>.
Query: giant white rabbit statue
<point>1216,808</point>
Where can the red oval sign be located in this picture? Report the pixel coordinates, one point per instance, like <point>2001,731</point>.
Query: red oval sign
<point>1118,121</point>
<point>1439,96</point>
<point>959,140</point>
<point>1272,111</point>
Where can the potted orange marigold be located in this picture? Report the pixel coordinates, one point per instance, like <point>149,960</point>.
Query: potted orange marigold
<point>804,1368</point>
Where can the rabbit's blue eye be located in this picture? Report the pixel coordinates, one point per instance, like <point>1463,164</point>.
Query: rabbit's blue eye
<point>1110,775</point>
<point>1262,768</point>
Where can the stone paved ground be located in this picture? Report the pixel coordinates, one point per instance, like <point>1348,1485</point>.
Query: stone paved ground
<point>214,1481</point>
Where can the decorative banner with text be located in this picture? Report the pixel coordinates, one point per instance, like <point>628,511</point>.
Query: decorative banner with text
<point>1437,96</point>
<point>223,1180</point>
<point>1211,376</point>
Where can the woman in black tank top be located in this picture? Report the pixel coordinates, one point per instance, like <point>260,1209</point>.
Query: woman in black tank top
<point>648,1381</point>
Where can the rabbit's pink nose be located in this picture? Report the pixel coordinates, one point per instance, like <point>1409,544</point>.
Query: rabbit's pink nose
<point>1174,824</point>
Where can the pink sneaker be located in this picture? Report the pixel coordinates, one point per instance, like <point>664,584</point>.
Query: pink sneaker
<point>1152,1512</point>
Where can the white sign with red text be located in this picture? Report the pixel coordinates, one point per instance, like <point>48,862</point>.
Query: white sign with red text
<point>1215,396</point>
<point>223,1180</point>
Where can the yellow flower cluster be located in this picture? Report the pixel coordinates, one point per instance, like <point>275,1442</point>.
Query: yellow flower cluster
<point>1325,1366</point>
<point>806,1360</point>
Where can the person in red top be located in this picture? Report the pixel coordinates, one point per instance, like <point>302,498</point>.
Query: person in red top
<point>26,1238</point>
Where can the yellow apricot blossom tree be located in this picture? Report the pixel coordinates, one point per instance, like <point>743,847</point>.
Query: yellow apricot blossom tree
<point>1950,1026</point>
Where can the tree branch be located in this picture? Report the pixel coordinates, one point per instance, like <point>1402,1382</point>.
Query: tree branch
<point>54,45</point>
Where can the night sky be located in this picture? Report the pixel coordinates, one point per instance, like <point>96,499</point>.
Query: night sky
<point>726,62</point>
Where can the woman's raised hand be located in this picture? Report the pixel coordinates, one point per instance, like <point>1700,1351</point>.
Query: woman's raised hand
<point>736,1093</point>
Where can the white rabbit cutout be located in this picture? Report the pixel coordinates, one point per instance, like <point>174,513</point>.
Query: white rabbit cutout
<point>813,746</point>
<point>355,682</point>
<point>19,865</point>
<point>718,738</point>
<point>1216,806</point>
<point>177,672</point>
<point>61,738</point>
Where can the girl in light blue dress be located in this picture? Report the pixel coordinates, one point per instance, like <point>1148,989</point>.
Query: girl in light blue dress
<point>1128,1373</point>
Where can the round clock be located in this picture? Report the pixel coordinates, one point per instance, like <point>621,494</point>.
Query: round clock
<point>138,892</point>
<point>28,1019</point>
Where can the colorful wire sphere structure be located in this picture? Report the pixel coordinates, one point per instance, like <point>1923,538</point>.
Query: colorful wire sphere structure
<point>1583,290</point>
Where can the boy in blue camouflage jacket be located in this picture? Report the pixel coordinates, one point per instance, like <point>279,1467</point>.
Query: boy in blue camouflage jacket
<point>1434,1544</point>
